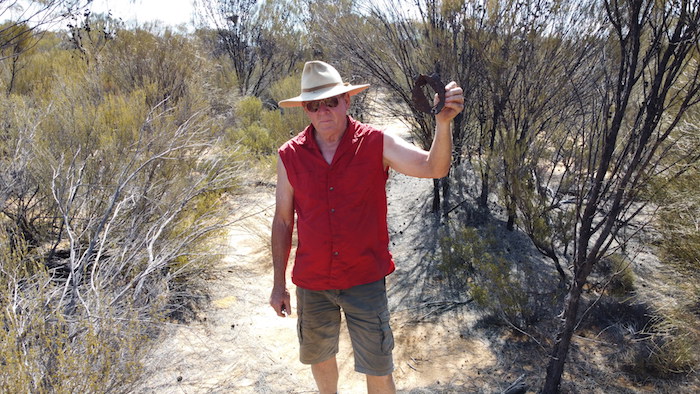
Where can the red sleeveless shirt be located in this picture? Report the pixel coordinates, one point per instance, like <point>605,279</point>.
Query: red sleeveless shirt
<point>341,209</point>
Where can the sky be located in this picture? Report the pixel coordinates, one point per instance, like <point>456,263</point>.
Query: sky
<point>169,12</point>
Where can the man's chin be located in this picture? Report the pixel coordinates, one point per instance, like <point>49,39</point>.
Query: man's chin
<point>326,126</point>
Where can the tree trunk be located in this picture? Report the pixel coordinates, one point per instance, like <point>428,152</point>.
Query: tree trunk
<point>511,204</point>
<point>548,251</point>
<point>484,196</point>
<point>566,330</point>
<point>510,226</point>
<point>563,340</point>
<point>436,196</point>
<point>13,75</point>
<point>445,192</point>
<point>458,133</point>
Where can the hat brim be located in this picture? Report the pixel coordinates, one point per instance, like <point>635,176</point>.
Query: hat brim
<point>322,94</point>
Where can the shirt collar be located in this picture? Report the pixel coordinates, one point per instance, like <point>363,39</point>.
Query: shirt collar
<point>306,138</point>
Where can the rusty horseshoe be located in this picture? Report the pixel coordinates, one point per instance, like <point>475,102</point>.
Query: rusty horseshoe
<point>418,95</point>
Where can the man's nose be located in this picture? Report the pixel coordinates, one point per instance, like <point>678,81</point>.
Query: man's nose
<point>323,105</point>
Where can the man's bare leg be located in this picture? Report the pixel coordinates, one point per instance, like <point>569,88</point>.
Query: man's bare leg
<point>380,384</point>
<point>326,376</point>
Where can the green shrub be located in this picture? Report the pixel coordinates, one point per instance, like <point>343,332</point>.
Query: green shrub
<point>257,129</point>
<point>679,201</point>
<point>293,120</point>
<point>669,347</point>
<point>42,349</point>
<point>111,203</point>
<point>260,131</point>
<point>476,263</point>
<point>676,336</point>
<point>616,275</point>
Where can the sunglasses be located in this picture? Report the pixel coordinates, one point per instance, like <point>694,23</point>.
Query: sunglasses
<point>313,106</point>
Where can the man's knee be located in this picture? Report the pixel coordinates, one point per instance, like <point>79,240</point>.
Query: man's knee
<point>381,384</point>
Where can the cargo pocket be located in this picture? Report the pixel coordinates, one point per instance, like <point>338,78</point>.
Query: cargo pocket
<point>387,335</point>
<point>299,330</point>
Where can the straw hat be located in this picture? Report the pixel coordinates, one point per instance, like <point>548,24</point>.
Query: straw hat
<point>320,80</point>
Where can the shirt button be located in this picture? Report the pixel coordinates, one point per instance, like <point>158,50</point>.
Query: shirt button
<point>332,210</point>
<point>335,253</point>
<point>331,188</point>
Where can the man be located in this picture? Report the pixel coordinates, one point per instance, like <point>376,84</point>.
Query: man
<point>333,177</point>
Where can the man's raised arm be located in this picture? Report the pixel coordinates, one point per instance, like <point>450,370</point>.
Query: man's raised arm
<point>410,160</point>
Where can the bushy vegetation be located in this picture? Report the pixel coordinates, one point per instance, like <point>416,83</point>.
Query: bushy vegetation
<point>679,219</point>
<point>44,349</point>
<point>679,247</point>
<point>478,260</point>
<point>121,151</point>
<point>615,276</point>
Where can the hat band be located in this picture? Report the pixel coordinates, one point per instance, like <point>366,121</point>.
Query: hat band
<point>315,88</point>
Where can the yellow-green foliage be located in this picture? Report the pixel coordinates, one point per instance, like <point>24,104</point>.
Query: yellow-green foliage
<point>35,69</point>
<point>260,130</point>
<point>167,67</point>
<point>294,120</point>
<point>250,131</point>
<point>17,42</point>
<point>43,350</point>
<point>677,334</point>
<point>678,222</point>
<point>617,275</point>
<point>114,174</point>
<point>475,260</point>
<point>671,342</point>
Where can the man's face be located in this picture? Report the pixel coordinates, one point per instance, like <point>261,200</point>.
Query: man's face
<point>328,115</point>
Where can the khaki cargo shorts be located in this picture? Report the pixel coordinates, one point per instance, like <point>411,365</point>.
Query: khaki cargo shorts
<point>367,316</point>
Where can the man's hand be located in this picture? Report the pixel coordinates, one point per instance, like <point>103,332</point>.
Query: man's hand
<point>454,102</point>
<point>280,301</point>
